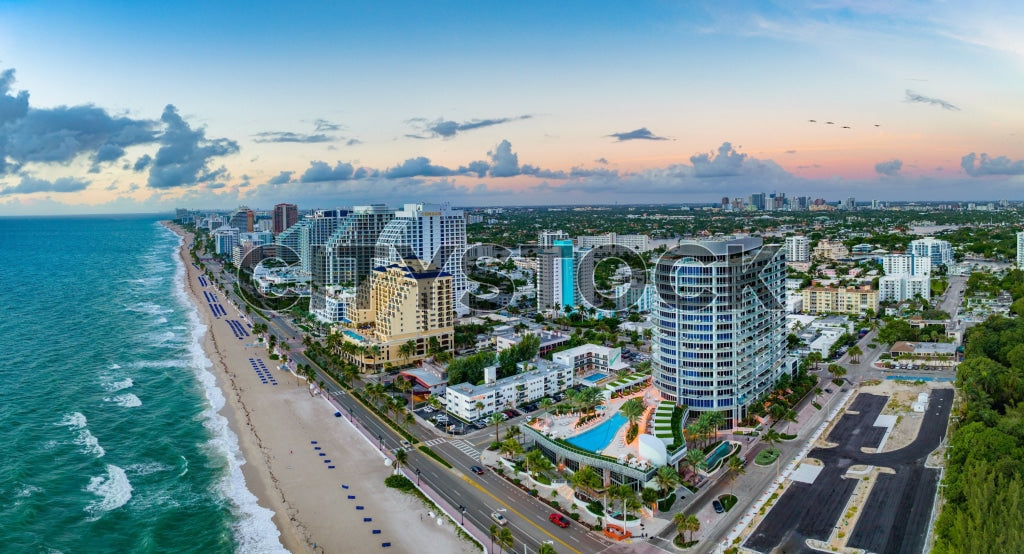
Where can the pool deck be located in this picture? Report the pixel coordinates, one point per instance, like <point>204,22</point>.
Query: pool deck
<point>564,426</point>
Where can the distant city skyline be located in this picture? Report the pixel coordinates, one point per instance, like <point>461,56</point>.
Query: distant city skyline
<point>139,109</point>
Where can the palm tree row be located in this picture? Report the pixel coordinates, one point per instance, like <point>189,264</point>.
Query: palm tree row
<point>701,431</point>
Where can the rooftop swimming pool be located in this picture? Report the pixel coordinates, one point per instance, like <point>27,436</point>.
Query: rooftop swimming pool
<point>593,378</point>
<point>597,439</point>
<point>354,335</point>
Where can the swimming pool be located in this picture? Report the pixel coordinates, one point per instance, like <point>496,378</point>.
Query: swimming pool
<point>593,378</point>
<point>599,437</point>
<point>354,335</point>
<point>719,452</point>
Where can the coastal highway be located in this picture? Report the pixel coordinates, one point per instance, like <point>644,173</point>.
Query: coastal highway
<point>479,494</point>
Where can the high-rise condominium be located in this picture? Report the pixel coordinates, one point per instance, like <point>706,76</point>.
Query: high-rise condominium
<point>720,325</point>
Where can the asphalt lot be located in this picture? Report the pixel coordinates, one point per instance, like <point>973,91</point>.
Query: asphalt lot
<point>895,517</point>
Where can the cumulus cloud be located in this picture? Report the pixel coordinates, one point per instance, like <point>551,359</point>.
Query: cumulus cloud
<point>142,163</point>
<point>418,167</point>
<point>322,171</point>
<point>446,128</point>
<point>60,135</point>
<point>29,185</point>
<point>288,136</point>
<point>185,154</point>
<point>979,166</point>
<point>642,133</point>
<point>890,168</point>
<point>281,178</point>
<point>921,99</point>
<point>727,163</point>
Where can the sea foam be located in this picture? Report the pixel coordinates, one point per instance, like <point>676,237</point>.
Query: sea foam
<point>253,527</point>
<point>113,489</point>
<point>118,385</point>
<point>125,400</point>
<point>84,438</point>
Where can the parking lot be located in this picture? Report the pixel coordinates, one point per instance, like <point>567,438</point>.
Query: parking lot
<point>895,517</point>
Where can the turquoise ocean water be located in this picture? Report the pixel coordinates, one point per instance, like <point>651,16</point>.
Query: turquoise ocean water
<point>111,441</point>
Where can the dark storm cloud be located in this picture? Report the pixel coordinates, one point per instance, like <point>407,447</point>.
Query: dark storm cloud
<point>185,154</point>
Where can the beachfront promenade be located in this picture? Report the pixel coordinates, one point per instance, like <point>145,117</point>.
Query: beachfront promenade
<point>450,488</point>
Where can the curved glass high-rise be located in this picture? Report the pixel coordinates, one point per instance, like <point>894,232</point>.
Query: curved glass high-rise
<point>720,323</point>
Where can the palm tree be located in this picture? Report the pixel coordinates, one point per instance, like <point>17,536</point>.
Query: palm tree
<point>374,352</point>
<point>667,480</point>
<point>789,417</point>
<point>814,358</point>
<point>479,406</point>
<point>546,548</point>
<point>349,373</point>
<point>408,420</point>
<point>693,433</point>
<point>735,469</point>
<point>505,538</point>
<point>855,353</point>
<point>510,448</point>
<point>405,386</point>
<point>587,479</point>
<point>494,532</point>
<point>683,525</point>
<point>633,409</point>
<point>692,524</point>
<point>496,420</point>
<point>545,403</point>
<point>772,436</point>
<point>695,459</point>
<point>401,458</point>
<point>716,419</point>
<point>837,371</point>
<point>407,349</point>
<point>533,461</point>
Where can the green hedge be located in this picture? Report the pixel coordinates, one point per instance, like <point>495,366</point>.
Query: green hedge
<point>665,504</point>
<point>427,450</point>
<point>399,482</point>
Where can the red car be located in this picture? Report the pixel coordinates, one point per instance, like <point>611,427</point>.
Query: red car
<point>558,520</point>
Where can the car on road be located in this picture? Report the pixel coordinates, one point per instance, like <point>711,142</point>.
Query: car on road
<point>828,391</point>
<point>406,445</point>
<point>717,506</point>
<point>477,470</point>
<point>559,520</point>
<point>498,518</point>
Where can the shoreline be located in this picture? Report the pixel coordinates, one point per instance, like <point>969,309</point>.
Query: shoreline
<point>297,458</point>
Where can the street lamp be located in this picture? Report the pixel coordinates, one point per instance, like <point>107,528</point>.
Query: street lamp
<point>351,416</point>
<point>380,442</point>
<point>417,477</point>
<point>462,512</point>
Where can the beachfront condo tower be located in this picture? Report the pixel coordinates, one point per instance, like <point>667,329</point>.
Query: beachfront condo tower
<point>719,323</point>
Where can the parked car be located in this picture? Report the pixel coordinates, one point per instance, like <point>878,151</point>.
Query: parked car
<point>498,518</point>
<point>477,470</point>
<point>558,520</point>
<point>717,506</point>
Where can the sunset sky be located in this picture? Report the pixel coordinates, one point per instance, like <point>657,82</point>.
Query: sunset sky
<point>143,107</point>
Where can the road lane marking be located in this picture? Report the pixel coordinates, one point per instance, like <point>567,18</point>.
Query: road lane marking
<point>516,512</point>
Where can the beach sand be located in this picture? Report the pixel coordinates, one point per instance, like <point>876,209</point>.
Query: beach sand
<point>276,426</point>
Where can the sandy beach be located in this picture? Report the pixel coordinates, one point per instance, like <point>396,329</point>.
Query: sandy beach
<point>290,439</point>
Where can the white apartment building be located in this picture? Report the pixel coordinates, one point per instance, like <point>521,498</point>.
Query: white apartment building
<point>798,249</point>
<point>591,357</point>
<point>433,233</point>
<point>224,240</point>
<point>940,252</point>
<point>640,243</point>
<point>335,305</point>
<point>910,264</point>
<point>903,286</point>
<point>543,378</point>
<point>1020,250</point>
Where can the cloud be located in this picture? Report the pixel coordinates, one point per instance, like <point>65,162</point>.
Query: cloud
<point>324,126</point>
<point>419,167</point>
<point>288,136</point>
<point>920,99</point>
<point>29,185</point>
<point>185,154</point>
<point>890,168</point>
<point>322,171</point>
<point>281,178</point>
<point>601,161</point>
<point>143,162</point>
<point>976,166</point>
<point>60,135</point>
<point>727,163</point>
<point>353,142</point>
<point>446,128</point>
<point>639,134</point>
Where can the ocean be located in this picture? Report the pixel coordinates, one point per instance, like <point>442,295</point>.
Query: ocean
<point>108,413</point>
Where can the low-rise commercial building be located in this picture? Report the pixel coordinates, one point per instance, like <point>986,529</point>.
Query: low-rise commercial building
<point>591,357</point>
<point>538,379</point>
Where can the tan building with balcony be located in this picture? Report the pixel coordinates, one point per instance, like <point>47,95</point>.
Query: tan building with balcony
<point>405,305</point>
<point>830,250</point>
<point>846,300</point>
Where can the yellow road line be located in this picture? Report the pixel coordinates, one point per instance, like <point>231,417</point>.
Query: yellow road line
<point>513,510</point>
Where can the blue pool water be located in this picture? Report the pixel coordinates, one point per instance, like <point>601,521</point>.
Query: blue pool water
<point>593,378</point>
<point>599,437</point>
<point>719,453</point>
<point>354,335</point>
<point>919,378</point>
